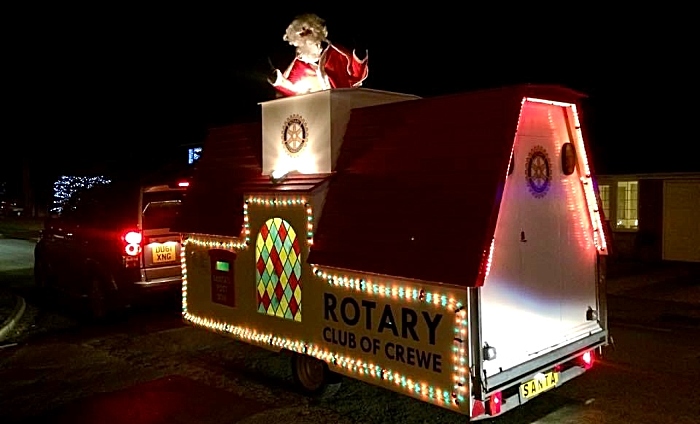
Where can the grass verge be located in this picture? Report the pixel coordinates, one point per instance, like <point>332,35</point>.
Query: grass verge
<point>20,227</point>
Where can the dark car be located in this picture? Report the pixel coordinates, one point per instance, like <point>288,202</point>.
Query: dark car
<point>112,244</point>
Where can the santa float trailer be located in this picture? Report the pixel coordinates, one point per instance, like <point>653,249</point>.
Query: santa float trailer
<point>450,248</point>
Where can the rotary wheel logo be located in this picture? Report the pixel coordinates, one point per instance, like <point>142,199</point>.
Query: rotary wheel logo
<point>538,171</point>
<point>295,134</point>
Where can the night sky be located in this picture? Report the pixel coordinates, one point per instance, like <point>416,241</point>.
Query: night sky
<point>120,87</point>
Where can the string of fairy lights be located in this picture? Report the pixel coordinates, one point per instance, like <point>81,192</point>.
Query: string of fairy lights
<point>451,397</point>
<point>586,179</point>
<point>415,294</point>
<point>66,186</point>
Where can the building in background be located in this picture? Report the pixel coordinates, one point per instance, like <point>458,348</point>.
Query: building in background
<point>653,216</point>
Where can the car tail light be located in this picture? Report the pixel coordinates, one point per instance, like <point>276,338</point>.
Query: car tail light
<point>493,405</point>
<point>183,184</point>
<point>133,243</point>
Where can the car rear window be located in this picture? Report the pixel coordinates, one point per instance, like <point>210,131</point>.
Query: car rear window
<point>160,209</point>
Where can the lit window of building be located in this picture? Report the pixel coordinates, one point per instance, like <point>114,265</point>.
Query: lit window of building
<point>627,195</point>
<point>605,200</point>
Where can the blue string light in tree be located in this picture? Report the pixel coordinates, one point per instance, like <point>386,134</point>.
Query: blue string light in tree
<point>66,186</point>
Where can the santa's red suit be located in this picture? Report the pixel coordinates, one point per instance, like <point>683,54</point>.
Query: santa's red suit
<point>336,68</point>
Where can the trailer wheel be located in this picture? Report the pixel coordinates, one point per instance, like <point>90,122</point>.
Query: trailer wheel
<point>313,377</point>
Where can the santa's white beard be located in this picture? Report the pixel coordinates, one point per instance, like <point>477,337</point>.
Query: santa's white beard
<point>309,52</point>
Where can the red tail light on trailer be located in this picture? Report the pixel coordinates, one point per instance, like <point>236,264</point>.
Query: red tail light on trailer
<point>587,359</point>
<point>493,405</point>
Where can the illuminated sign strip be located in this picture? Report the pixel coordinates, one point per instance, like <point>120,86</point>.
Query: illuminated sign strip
<point>586,180</point>
<point>445,397</point>
<point>413,294</point>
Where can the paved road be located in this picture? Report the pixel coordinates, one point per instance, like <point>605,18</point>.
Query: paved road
<point>16,255</point>
<point>184,375</point>
<point>154,370</point>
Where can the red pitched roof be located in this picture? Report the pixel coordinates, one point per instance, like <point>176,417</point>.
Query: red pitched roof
<point>418,185</point>
<point>231,156</point>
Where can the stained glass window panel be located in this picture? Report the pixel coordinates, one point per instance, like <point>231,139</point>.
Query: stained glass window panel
<point>278,270</point>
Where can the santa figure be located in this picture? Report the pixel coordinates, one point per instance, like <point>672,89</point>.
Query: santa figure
<point>319,64</point>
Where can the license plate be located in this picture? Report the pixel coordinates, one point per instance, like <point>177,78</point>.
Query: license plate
<point>163,252</point>
<point>541,383</point>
